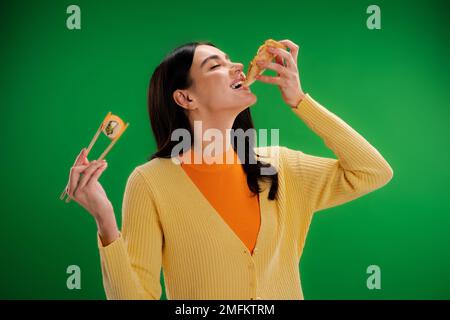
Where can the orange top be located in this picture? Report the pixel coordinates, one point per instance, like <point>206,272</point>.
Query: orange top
<point>224,185</point>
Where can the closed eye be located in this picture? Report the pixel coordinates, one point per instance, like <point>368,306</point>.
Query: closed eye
<point>213,67</point>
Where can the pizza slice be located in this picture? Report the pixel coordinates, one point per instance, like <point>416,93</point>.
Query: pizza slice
<point>264,55</point>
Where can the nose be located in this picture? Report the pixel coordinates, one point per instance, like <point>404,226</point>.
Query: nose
<point>237,68</point>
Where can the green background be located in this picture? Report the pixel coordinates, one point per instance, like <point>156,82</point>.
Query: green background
<point>391,85</point>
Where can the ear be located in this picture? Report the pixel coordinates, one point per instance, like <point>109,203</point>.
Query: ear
<point>182,98</point>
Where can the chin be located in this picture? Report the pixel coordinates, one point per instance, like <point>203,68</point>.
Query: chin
<point>249,101</point>
<point>242,103</point>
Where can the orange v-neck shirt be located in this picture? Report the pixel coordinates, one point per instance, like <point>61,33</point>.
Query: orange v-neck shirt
<point>224,185</point>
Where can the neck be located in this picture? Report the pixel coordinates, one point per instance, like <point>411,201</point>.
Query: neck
<point>214,129</point>
<point>212,137</point>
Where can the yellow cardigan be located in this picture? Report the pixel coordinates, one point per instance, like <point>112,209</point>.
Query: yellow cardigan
<point>168,223</point>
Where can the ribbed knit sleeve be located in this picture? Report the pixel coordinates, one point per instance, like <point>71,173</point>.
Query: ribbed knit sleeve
<point>327,182</point>
<point>131,265</point>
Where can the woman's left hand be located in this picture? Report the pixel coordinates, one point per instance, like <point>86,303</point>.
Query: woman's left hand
<point>287,79</point>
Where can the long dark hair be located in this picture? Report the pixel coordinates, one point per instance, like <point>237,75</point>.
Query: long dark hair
<point>166,115</point>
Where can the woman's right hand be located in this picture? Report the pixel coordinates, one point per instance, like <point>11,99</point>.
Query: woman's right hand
<point>84,188</point>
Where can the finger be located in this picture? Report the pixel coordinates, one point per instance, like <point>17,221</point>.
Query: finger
<point>74,177</point>
<point>268,79</point>
<point>88,173</point>
<point>279,60</point>
<point>80,157</point>
<point>79,161</point>
<point>294,48</point>
<point>281,70</point>
<point>85,161</point>
<point>97,173</point>
<point>283,54</point>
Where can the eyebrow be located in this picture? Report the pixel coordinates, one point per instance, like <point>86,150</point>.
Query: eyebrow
<point>214,56</point>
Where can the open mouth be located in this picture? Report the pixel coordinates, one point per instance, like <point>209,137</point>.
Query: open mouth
<point>239,84</point>
<point>236,85</point>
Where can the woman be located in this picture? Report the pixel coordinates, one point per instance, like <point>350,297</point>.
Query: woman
<point>222,231</point>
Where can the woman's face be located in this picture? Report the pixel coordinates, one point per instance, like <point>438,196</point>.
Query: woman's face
<point>213,73</point>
